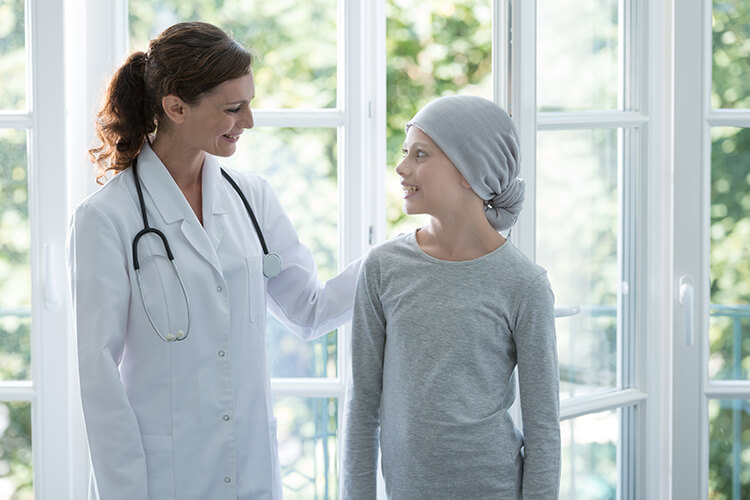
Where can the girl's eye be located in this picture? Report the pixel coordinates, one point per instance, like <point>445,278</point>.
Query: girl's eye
<point>404,152</point>
<point>420,153</point>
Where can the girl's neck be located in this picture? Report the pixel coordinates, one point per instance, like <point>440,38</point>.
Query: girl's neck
<point>459,238</point>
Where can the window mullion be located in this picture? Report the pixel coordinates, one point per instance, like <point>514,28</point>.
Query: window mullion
<point>523,104</point>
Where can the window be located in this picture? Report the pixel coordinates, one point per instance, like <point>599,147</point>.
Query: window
<point>326,73</point>
<point>712,207</point>
<point>33,395</point>
<point>589,159</point>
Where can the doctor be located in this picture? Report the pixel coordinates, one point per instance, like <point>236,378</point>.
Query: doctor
<point>174,382</point>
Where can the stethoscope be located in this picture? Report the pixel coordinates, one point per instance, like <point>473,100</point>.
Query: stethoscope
<point>271,261</point>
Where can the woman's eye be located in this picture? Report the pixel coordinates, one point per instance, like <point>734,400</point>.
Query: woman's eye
<point>234,110</point>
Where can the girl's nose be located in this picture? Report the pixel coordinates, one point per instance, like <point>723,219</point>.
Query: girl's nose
<point>402,169</point>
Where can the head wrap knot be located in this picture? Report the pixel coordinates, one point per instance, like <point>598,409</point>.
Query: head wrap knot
<point>481,141</point>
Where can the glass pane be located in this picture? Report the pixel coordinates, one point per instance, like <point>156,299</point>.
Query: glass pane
<point>301,165</point>
<point>731,54</point>
<point>729,331</point>
<point>308,450</point>
<point>581,70</point>
<point>15,270</point>
<point>12,55</point>
<point>16,473</point>
<point>589,457</point>
<point>294,42</point>
<point>433,48</point>
<point>729,449</point>
<point>577,231</point>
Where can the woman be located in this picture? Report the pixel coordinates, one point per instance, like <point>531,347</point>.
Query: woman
<point>442,317</point>
<point>174,381</point>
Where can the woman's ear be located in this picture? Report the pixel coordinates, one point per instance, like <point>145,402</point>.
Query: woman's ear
<point>174,108</point>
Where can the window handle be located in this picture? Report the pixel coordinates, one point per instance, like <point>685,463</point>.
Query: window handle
<point>562,312</point>
<point>51,297</point>
<point>687,301</point>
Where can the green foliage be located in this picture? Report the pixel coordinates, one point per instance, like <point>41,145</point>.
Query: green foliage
<point>729,433</point>
<point>12,55</point>
<point>731,54</point>
<point>15,449</point>
<point>439,49</point>
<point>15,272</point>
<point>294,43</point>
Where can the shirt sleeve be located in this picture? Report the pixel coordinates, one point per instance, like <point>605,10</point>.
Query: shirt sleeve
<point>297,297</point>
<point>100,289</point>
<point>539,383</point>
<point>362,413</point>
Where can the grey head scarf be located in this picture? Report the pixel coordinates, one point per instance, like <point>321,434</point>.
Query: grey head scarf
<point>481,140</point>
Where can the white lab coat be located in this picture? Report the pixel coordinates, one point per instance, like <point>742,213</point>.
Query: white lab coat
<point>190,419</point>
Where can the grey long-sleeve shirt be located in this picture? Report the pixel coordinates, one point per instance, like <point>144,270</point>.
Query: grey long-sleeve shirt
<point>434,346</point>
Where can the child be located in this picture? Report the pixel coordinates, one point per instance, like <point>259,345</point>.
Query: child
<point>442,317</point>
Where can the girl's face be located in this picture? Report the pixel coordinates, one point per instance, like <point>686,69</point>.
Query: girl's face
<point>431,183</point>
<point>215,123</point>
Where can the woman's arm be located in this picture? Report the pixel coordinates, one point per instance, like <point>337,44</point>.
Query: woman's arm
<point>101,294</point>
<point>362,414</point>
<point>539,383</point>
<point>297,298</point>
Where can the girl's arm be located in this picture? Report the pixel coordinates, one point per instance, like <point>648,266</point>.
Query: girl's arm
<point>362,415</point>
<point>539,382</point>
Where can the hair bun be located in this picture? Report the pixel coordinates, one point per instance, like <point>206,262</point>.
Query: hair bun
<point>502,210</point>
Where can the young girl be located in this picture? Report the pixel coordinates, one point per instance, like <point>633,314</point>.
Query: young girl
<point>442,317</point>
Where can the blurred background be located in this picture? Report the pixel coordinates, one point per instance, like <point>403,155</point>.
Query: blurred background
<point>436,48</point>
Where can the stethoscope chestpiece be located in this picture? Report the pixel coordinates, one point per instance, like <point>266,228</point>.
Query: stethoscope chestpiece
<point>271,265</point>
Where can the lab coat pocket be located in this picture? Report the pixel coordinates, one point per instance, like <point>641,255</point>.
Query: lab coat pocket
<point>256,288</point>
<point>159,467</point>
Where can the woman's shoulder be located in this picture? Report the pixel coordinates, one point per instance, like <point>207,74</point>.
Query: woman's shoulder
<point>248,181</point>
<point>108,198</point>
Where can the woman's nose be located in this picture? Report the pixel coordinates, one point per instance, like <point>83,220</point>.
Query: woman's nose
<point>249,121</point>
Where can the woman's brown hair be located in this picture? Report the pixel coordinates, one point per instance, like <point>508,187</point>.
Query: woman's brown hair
<point>186,60</point>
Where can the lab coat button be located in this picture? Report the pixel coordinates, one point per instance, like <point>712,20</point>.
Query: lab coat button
<point>221,354</point>
<point>219,289</point>
<point>226,418</point>
<point>227,479</point>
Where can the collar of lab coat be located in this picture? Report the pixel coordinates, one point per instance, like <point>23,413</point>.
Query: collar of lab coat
<point>173,206</point>
<point>167,196</point>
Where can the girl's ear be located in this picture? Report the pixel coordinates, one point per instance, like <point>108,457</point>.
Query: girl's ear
<point>174,108</point>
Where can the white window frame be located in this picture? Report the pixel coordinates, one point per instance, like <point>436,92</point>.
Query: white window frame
<point>694,118</point>
<point>96,43</point>
<point>47,391</point>
<point>643,456</point>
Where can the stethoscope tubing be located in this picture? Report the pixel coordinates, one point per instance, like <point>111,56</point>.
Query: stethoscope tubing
<point>272,263</point>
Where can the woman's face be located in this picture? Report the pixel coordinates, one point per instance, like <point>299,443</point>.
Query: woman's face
<point>431,183</point>
<point>214,124</point>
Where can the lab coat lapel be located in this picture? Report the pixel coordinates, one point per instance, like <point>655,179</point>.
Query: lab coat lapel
<point>215,200</point>
<point>173,207</point>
